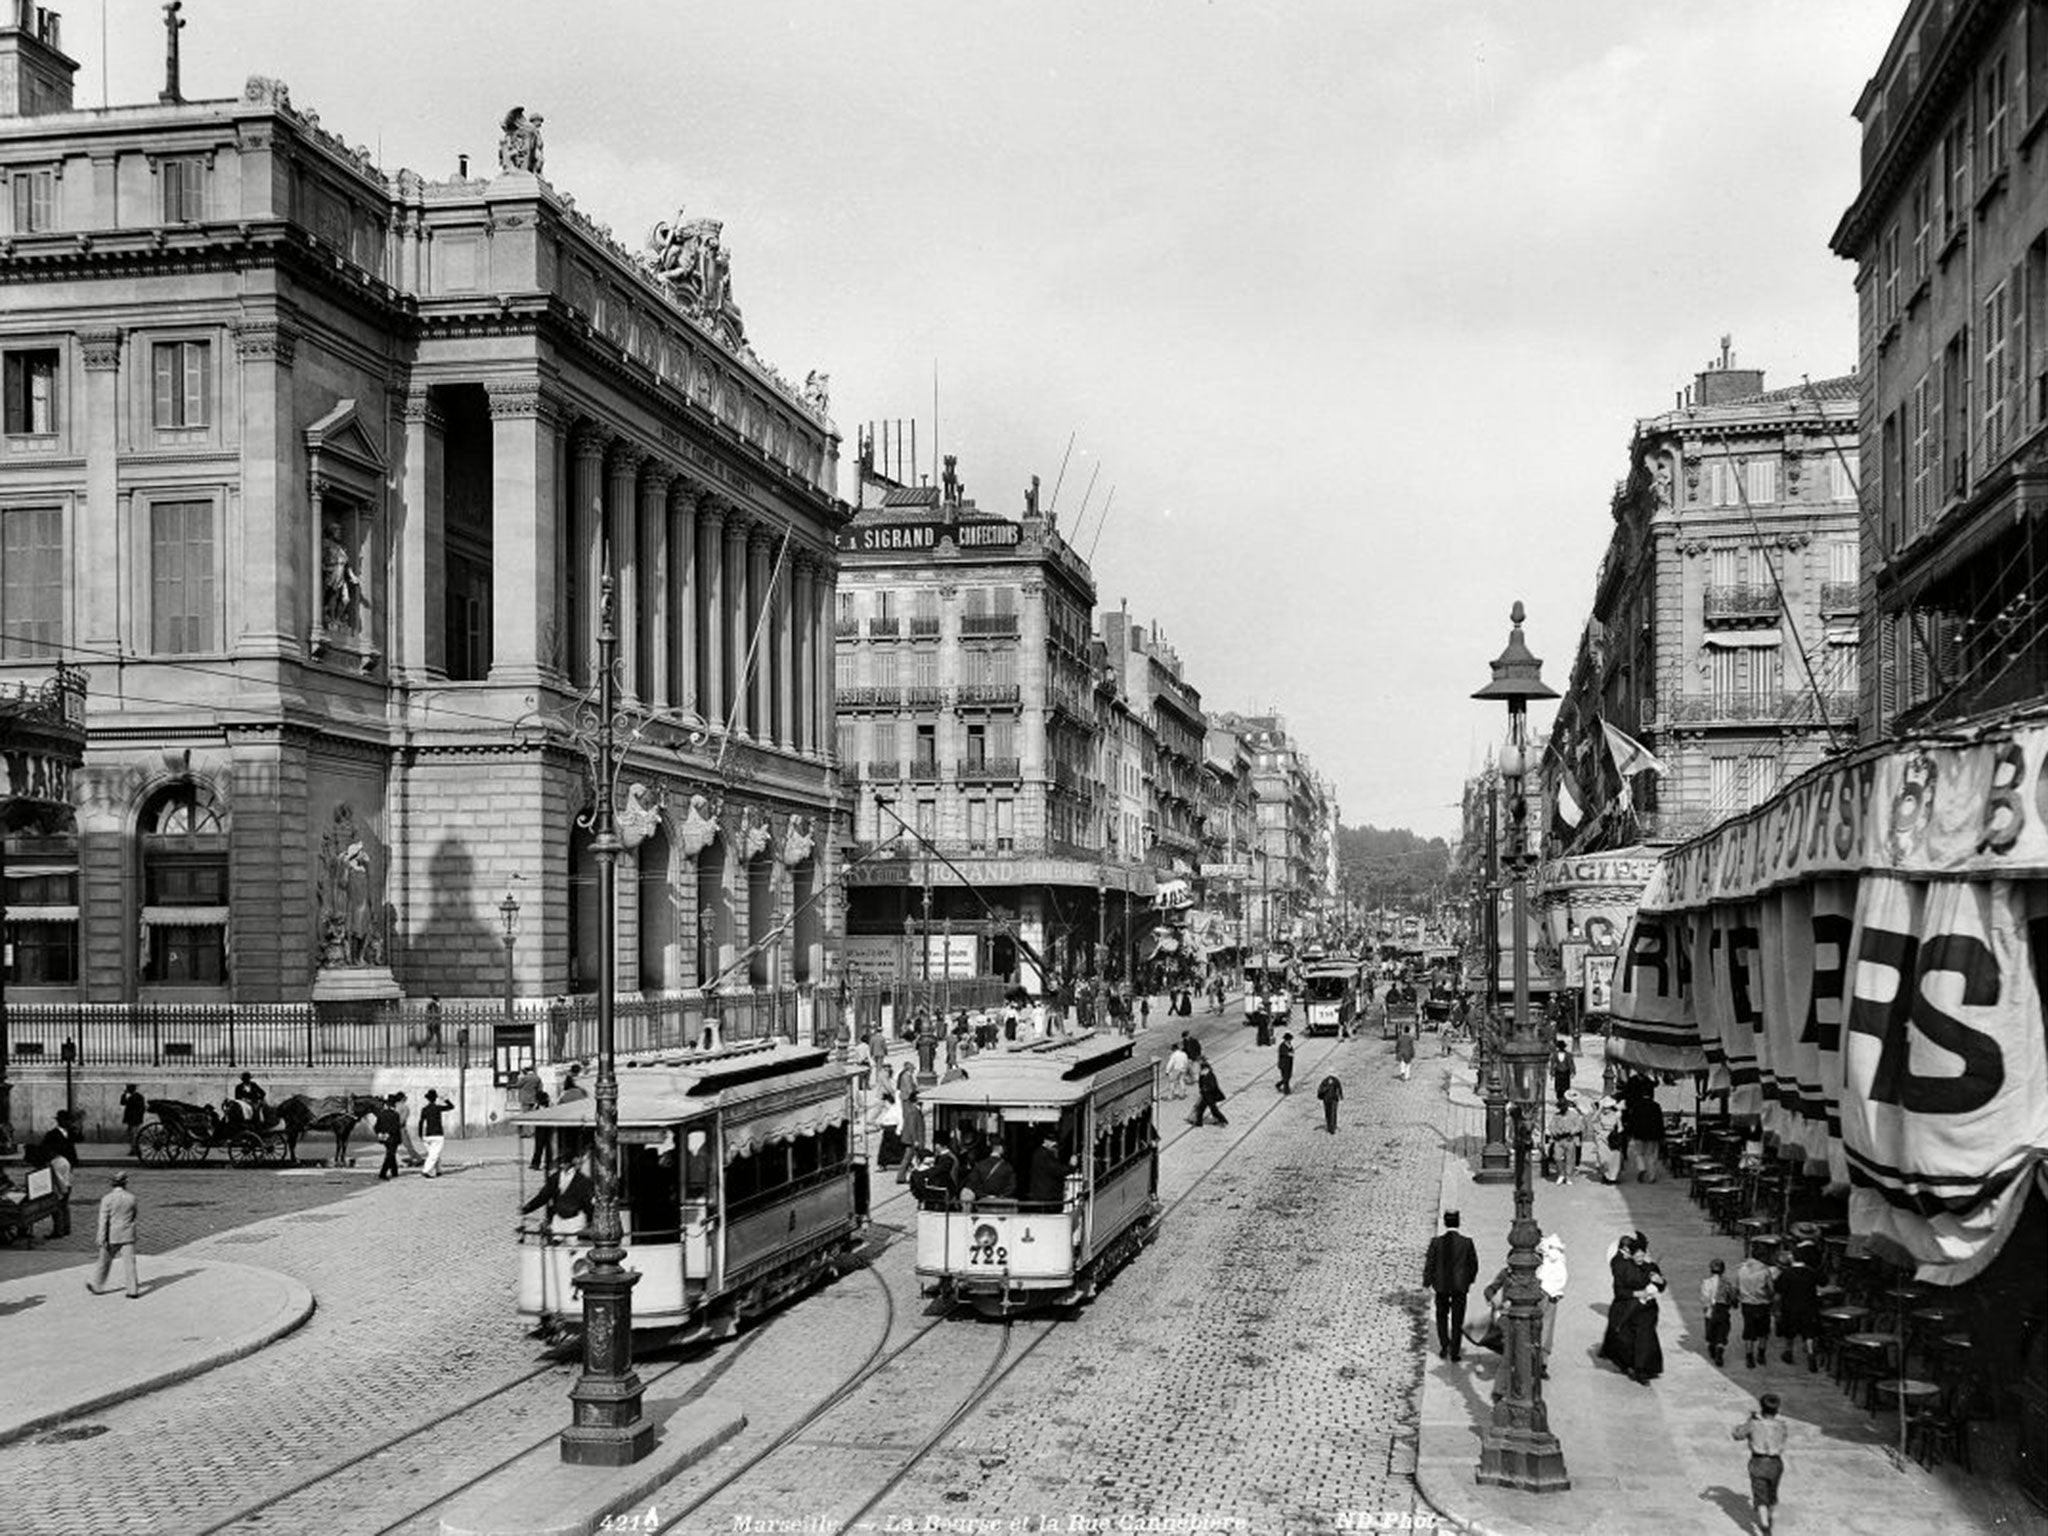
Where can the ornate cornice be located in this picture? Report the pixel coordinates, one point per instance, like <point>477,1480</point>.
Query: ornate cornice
<point>102,350</point>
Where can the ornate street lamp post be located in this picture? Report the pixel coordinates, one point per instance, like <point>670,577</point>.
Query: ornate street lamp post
<point>1495,1164</point>
<point>1517,1450</point>
<point>607,1427</point>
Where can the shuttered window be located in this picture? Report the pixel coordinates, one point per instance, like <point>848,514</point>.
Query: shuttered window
<point>183,383</point>
<point>31,581</point>
<point>182,578</point>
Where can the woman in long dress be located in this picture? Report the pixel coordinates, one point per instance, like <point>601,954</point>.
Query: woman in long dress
<point>1605,1123</point>
<point>1631,1341</point>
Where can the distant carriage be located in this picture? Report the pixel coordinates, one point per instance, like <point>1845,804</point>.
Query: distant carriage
<point>740,1185</point>
<point>189,1133</point>
<point>1085,1101</point>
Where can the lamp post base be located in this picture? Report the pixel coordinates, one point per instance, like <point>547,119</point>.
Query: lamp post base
<point>606,1425</point>
<point>1496,1163</point>
<point>1528,1459</point>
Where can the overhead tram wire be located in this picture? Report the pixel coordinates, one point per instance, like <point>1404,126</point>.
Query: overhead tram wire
<point>1082,516</point>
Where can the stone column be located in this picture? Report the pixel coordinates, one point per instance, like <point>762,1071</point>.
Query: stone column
<point>711,611</point>
<point>734,614</point>
<point>761,697</point>
<point>586,550</point>
<point>803,663</point>
<point>622,525</point>
<point>524,506</point>
<point>824,590</point>
<point>786,736</point>
<point>420,651</point>
<point>653,646</point>
<point>682,579</point>
<point>95,537</point>
<point>274,599</point>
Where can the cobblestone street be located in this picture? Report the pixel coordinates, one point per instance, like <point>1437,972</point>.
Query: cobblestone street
<point>1256,1364</point>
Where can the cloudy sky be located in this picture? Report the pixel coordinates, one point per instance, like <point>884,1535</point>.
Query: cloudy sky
<point>1353,302</point>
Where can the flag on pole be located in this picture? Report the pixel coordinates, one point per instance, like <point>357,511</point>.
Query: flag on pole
<point>1631,757</point>
<point>1568,809</point>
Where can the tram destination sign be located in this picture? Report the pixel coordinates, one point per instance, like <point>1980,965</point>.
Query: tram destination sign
<point>915,538</point>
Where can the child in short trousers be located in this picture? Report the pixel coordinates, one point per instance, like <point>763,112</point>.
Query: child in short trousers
<point>1717,1306</point>
<point>1766,1434</point>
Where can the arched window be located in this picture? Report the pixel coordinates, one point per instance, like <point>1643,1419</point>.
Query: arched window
<point>657,913</point>
<point>585,945</point>
<point>184,888</point>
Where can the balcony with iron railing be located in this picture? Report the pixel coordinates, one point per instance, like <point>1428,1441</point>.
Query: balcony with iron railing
<point>1744,602</point>
<point>1837,597</point>
<point>989,693</point>
<point>924,626</point>
<point>866,696</point>
<point>924,696</point>
<point>923,770</point>
<point>884,770</point>
<point>846,628</point>
<point>884,629</point>
<point>988,770</point>
<point>983,625</point>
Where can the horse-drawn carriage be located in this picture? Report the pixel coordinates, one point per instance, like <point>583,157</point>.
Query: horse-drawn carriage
<point>189,1133</point>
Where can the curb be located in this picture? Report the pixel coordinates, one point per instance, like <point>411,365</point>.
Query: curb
<point>299,1306</point>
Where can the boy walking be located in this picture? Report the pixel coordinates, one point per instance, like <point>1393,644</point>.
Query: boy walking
<point>1755,1289</point>
<point>1717,1306</point>
<point>1766,1434</point>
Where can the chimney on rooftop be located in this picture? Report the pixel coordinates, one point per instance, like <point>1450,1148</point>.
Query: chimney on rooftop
<point>35,76</point>
<point>1723,381</point>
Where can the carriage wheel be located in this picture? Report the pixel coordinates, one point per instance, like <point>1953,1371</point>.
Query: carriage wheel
<point>275,1148</point>
<point>246,1150</point>
<point>155,1145</point>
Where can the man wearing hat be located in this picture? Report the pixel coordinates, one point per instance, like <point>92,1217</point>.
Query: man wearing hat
<point>116,1236</point>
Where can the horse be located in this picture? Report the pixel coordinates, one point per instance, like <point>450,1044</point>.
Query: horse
<point>339,1113</point>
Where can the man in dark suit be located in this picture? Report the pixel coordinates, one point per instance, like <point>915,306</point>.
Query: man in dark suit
<point>1449,1269</point>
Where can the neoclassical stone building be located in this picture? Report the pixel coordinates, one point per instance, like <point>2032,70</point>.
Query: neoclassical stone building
<point>318,472</point>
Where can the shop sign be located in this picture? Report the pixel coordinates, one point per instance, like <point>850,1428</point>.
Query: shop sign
<point>924,538</point>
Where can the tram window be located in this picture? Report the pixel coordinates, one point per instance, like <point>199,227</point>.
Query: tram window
<point>696,1166</point>
<point>803,1157</point>
<point>742,1181</point>
<point>832,1146</point>
<point>651,1191</point>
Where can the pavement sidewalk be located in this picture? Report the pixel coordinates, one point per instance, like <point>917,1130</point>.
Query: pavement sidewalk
<point>1659,1457</point>
<point>70,1352</point>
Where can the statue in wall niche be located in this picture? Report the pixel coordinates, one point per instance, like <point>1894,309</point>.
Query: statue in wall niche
<point>341,588</point>
<point>797,841</point>
<point>699,828</point>
<point>519,147</point>
<point>640,815</point>
<point>348,896</point>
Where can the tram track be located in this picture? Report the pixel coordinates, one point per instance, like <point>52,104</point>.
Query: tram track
<point>1006,1362</point>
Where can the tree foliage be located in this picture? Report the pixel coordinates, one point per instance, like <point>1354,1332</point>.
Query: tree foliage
<point>1391,866</point>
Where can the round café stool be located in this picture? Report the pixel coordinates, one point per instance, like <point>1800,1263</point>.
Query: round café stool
<point>1867,1358</point>
<point>1835,1324</point>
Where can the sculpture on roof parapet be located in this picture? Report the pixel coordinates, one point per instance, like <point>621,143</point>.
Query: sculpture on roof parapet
<point>519,146</point>
<point>818,394</point>
<point>691,262</point>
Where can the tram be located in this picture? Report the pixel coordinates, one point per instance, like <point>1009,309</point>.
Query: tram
<point>740,1185</point>
<point>1330,994</point>
<point>1074,1119</point>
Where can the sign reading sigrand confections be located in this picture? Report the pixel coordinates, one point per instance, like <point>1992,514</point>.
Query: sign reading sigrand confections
<point>915,538</point>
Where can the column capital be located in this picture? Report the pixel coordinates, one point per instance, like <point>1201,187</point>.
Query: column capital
<point>591,443</point>
<point>266,341</point>
<point>520,397</point>
<point>736,524</point>
<point>684,495</point>
<point>710,512</point>
<point>656,477</point>
<point>760,539</point>
<point>102,350</point>
<point>417,408</point>
<point>627,457</point>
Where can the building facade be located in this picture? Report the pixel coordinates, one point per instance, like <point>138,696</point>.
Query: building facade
<point>319,473</point>
<point>972,736</point>
<point>1949,233</point>
<point>1289,861</point>
<point>1723,634</point>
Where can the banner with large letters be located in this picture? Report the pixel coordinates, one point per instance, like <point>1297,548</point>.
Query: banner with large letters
<point>1856,963</point>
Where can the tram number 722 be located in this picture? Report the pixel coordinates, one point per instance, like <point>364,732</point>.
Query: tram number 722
<point>983,1249</point>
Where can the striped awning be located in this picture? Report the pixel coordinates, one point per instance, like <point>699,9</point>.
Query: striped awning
<point>748,1136</point>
